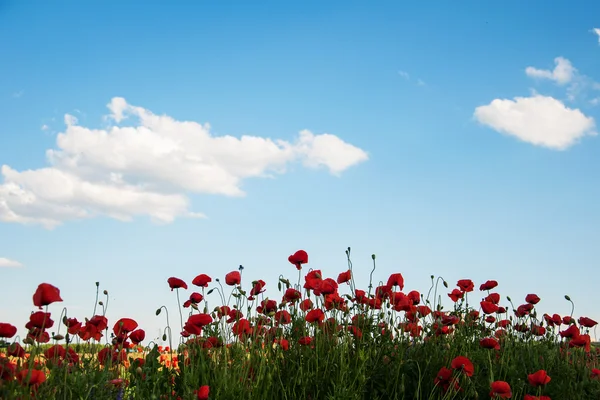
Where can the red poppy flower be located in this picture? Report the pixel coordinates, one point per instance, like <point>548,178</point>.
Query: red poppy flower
<point>31,377</point>
<point>360,295</point>
<point>587,322</point>
<point>489,343</point>
<point>203,392</point>
<point>16,350</point>
<point>581,341</point>
<point>456,295</point>
<point>306,304</point>
<point>466,285</point>
<point>202,280</point>
<point>444,379</point>
<point>423,311</point>
<point>298,258</point>
<point>532,397</point>
<point>124,325</point>
<point>257,287</point>
<point>488,307</point>
<point>234,315</point>
<point>108,353</point>
<point>200,319</point>
<point>7,330</point>
<point>40,320</point>
<point>305,341</point>
<point>538,378</point>
<point>489,285</point>
<point>595,373</point>
<point>538,330</point>
<point>500,389</point>
<point>176,283</point>
<point>493,298</point>
<point>241,326</point>
<point>328,286</point>
<point>567,320</point>
<point>395,279</point>
<point>571,332</point>
<point>316,315</point>
<point>137,336</point>
<point>196,298</point>
<point>283,317</point>
<point>523,310</point>
<point>285,345</point>
<point>443,375</point>
<point>39,335</point>
<point>46,294</point>
<point>73,325</point>
<point>267,306</point>
<point>532,298</point>
<point>344,277</point>
<point>292,295</point>
<point>55,354</point>
<point>233,278</point>
<point>463,364</point>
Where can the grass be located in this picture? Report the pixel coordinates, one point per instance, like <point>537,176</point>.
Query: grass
<point>320,341</point>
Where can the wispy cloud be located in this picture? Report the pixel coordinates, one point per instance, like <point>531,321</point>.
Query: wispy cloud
<point>44,127</point>
<point>148,168</point>
<point>406,76</point>
<point>597,32</point>
<point>18,94</point>
<point>5,262</point>
<point>562,73</point>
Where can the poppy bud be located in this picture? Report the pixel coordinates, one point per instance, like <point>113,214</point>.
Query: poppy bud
<point>373,257</point>
<point>158,311</point>
<point>105,292</point>
<point>58,337</point>
<point>567,297</point>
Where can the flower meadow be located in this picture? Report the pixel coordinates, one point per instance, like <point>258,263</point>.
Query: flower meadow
<point>323,338</point>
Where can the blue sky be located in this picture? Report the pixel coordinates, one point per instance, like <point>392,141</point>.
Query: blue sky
<point>451,140</point>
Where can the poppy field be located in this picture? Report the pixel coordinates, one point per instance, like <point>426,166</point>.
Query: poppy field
<point>321,338</point>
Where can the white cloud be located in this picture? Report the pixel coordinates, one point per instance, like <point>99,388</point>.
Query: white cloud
<point>45,127</point>
<point>5,262</point>
<point>150,167</point>
<point>562,74</point>
<point>597,32</point>
<point>539,120</point>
